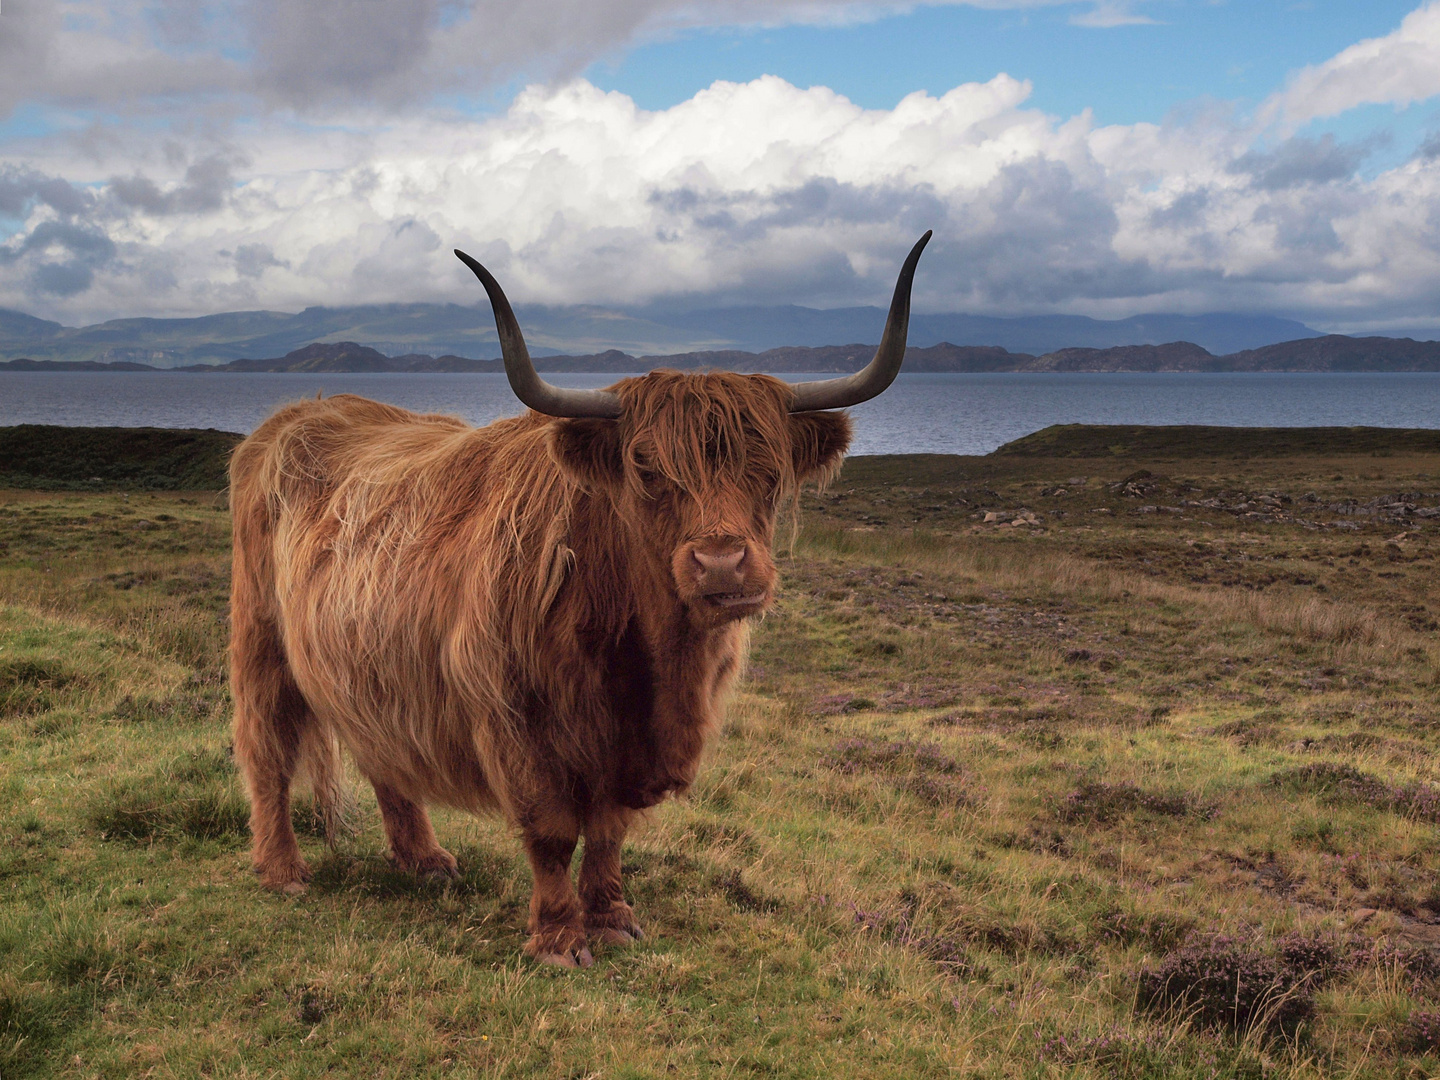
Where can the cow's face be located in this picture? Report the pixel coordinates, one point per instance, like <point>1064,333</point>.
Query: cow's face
<point>699,467</point>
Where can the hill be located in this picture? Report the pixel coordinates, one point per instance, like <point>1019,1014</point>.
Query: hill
<point>661,330</point>
<point>1330,353</point>
<point>1335,352</point>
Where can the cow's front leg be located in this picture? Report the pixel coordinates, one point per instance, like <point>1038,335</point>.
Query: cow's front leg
<point>608,918</point>
<point>557,924</point>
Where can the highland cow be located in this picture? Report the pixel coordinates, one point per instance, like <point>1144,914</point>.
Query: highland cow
<point>541,617</point>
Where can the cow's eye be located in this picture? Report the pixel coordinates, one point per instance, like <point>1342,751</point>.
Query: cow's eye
<point>648,477</point>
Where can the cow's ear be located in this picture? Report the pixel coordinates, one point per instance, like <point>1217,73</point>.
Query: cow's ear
<point>820,440</point>
<point>589,450</point>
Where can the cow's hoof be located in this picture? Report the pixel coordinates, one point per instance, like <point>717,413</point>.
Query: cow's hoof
<point>579,959</point>
<point>289,878</point>
<point>562,945</point>
<point>438,865</point>
<point>614,927</point>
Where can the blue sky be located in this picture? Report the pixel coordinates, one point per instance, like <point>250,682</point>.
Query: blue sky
<point>1238,52</point>
<point>1110,157</point>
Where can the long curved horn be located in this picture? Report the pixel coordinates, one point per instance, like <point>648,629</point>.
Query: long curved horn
<point>875,376</point>
<point>524,380</point>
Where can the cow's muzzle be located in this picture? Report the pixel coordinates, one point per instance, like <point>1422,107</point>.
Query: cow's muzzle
<point>725,574</point>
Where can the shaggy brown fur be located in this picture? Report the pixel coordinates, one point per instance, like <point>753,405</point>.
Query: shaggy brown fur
<point>540,617</point>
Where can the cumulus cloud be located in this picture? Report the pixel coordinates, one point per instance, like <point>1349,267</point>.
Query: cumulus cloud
<point>1399,69</point>
<point>20,186</point>
<point>747,193</point>
<point>58,258</point>
<point>206,185</point>
<point>1302,161</point>
<point>252,260</point>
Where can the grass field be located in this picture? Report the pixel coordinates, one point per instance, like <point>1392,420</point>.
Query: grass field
<point>1135,778</point>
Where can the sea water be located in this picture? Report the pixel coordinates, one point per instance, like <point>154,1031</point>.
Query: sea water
<point>922,413</point>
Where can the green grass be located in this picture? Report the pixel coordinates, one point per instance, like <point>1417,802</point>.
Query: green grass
<point>107,459</point>
<point>995,801</point>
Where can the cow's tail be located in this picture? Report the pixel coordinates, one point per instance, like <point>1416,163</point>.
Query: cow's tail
<point>321,760</point>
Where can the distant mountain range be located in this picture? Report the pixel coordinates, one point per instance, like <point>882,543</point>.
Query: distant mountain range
<point>1332,352</point>
<point>452,330</point>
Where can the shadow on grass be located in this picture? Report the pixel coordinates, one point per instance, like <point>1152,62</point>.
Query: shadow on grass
<point>194,796</point>
<point>483,874</point>
<point>30,685</point>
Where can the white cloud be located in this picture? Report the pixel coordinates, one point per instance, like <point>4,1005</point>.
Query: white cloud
<point>1110,13</point>
<point>757,192</point>
<point>1398,69</point>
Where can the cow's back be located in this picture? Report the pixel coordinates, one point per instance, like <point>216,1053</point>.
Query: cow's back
<point>284,477</point>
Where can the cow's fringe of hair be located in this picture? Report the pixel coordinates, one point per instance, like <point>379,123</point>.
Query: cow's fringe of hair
<point>697,428</point>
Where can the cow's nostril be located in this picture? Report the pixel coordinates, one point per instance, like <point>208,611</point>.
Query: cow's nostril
<point>721,562</point>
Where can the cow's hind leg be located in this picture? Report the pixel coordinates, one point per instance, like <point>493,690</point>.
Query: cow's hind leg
<point>271,719</point>
<point>557,922</point>
<point>608,918</point>
<point>412,838</point>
